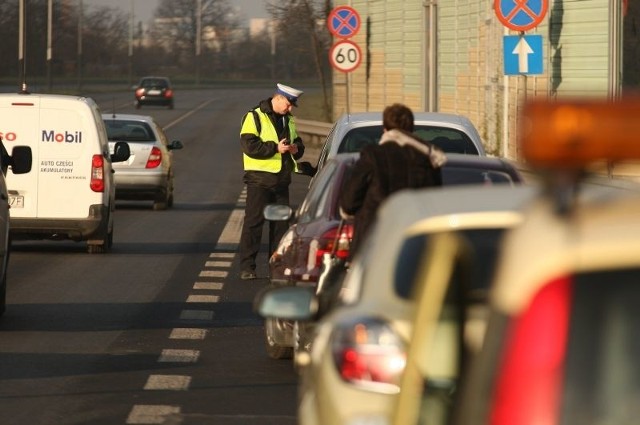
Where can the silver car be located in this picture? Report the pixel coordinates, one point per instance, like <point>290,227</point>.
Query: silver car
<point>148,174</point>
<point>450,132</point>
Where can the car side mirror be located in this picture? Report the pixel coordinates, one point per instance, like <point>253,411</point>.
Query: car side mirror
<point>121,152</point>
<point>21,160</point>
<point>305,168</point>
<point>175,144</point>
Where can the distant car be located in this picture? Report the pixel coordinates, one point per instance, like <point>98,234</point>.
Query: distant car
<point>148,174</point>
<point>358,348</point>
<point>314,231</point>
<point>450,132</point>
<point>154,91</point>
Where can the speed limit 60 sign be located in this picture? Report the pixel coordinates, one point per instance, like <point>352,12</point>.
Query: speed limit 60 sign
<point>345,56</point>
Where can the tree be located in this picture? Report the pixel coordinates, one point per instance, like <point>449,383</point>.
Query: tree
<point>306,20</point>
<point>176,25</point>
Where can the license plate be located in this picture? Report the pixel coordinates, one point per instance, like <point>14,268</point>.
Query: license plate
<point>154,92</point>
<point>16,201</point>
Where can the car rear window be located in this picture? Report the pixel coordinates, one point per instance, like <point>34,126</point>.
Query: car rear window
<point>484,243</point>
<point>455,176</point>
<point>602,371</point>
<point>154,82</point>
<point>129,131</point>
<point>447,139</point>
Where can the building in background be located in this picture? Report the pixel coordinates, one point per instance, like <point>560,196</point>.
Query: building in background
<point>448,56</point>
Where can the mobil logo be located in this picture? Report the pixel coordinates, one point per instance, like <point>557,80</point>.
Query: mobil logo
<point>8,136</point>
<point>62,137</point>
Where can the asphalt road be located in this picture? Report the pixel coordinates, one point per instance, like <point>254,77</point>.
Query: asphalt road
<point>161,329</point>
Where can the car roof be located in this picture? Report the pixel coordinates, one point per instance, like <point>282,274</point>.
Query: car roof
<point>409,212</point>
<point>419,117</point>
<point>602,234</point>
<point>127,117</point>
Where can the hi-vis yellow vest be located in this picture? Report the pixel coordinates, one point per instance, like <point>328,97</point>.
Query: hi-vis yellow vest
<point>267,132</point>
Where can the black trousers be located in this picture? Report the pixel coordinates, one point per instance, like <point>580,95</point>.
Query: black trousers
<point>257,198</point>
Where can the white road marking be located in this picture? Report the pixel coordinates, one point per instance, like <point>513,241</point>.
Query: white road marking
<point>217,264</point>
<point>212,286</point>
<point>168,382</point>
<point>151,414</point>
<point>213,273</point>
<point>188,333</point>
<point>203,298</point>
<point>170,355</point>
<point>222,255</point>
<point>230,234</point>
<point>196,315</point>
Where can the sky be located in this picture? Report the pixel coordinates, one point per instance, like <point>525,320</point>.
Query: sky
<point>143,9</point>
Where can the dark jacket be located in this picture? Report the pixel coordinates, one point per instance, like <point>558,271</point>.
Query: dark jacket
<point>254,147</point>
<point>400,161</point>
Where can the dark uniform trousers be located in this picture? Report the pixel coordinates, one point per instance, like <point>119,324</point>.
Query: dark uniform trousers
<point>257,198</point>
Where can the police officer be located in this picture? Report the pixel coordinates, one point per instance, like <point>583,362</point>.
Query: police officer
<point>270,145</point>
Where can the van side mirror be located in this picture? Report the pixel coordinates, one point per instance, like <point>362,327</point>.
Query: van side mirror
<point>121,152</point>
<point>20,160</point>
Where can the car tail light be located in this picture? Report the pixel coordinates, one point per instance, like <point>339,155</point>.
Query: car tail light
<point>97,173</point>
<point>168,93</point>
<point>369,352</point>
<point>530,373</point>
<point>325,243</point>
<point>140,92</point>
<point>155,158</point>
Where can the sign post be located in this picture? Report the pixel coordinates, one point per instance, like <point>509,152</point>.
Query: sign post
<point>522,53</point>
<point>345,56</point>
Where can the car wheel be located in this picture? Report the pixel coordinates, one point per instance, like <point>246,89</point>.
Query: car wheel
<point>274,350</point>
<point>171,105</point>
<point>138,105</point>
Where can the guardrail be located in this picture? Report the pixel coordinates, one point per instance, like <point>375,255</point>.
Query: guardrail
<point>313,132</point>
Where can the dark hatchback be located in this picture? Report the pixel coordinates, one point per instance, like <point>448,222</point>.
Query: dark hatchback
<point>316,230</point>
<point>154,91</point>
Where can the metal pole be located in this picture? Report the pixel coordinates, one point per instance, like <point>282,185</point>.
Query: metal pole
<point>21,47</point>
<point>49,45</point>
<point>198,40</point>
<point>80,13</point>
<point>131,45</point>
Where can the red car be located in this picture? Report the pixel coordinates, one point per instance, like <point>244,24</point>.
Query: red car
<point>315,231</point>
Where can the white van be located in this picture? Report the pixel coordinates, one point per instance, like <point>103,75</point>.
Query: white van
<point>69,193</point>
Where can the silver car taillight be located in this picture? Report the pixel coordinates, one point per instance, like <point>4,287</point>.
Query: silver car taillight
<point>367,352</point>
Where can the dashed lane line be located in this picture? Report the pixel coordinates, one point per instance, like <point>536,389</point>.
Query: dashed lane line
<point>151,414</point>
<point>168,382</point>
<point>170,355</point>
<point>188,333</point>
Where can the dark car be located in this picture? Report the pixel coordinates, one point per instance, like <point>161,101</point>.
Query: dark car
<point>154,91</point>
<point>315,228</point>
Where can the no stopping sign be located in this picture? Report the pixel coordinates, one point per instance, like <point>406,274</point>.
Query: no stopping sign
<point>345,56</point>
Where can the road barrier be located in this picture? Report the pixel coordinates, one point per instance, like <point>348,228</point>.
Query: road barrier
<point>313,132</point>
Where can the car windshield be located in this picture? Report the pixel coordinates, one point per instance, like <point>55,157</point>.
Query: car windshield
<point>129,131</point>
<point>447,139</point>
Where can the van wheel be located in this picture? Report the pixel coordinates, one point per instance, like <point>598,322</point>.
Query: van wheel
<point>101,248</point>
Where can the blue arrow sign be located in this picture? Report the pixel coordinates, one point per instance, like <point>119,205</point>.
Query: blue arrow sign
<point>522,54</point>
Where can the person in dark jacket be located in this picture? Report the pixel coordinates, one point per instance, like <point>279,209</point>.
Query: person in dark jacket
<point>270,147</point>
<point>401,160</point>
